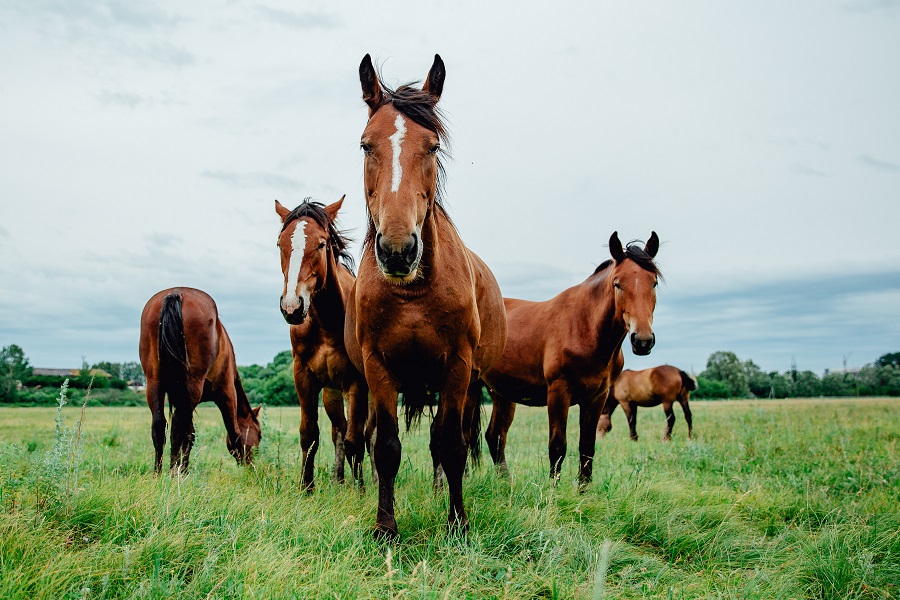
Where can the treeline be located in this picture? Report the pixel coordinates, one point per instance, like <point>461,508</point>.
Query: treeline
<point>726,376</point>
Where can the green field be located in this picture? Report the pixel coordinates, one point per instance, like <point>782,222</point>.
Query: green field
<point>778,499</point>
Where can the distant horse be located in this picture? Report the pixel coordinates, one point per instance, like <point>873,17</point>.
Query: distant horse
<point>186,354</point>
<point>426,314</point>
<point>318,277</point>
<point>651,387</point>
<point>561,352</point>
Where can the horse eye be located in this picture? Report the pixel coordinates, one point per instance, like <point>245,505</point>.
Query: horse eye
<point>656,283</point>
<point>321,245</point>
<point>616,285</point>
<point>434,149</point>
<point>367,149</point>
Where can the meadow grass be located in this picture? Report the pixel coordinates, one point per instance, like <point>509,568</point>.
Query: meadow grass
<point>774,499</point>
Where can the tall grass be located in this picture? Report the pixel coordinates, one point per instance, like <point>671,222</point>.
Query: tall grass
<point>772,500</point>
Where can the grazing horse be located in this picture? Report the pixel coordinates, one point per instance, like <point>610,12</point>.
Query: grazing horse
<point>318,277</point>
<point>561,352</point>
<point>426,315</point>
<point>186,354</point>
<point>651,387</point>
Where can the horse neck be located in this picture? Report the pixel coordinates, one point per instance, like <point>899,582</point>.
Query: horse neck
<point>243,408</point>
<point>440,239</point>
<point>604,320</point>
<point>328,302</point>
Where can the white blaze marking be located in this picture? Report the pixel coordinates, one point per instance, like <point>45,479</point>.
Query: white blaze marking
<point>298,247</point>
<point>396,140</point>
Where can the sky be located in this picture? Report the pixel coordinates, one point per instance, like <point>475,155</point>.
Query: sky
<point>142,146</point>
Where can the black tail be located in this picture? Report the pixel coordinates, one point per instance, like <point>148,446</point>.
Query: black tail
<point>172,350</point>
<point>414,404</point>
<point>688,381</point>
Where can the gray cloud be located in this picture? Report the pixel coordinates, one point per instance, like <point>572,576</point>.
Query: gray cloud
<point>875,163</point>
<point>304,20</point>
<point>120,98</point>
<point>801,169</point>
<point>869,6</point>
<point>253,180</point>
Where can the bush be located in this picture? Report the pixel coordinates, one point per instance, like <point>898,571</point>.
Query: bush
<point>711,389</point>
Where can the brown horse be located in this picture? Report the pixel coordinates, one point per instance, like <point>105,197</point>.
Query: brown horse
<point>426,314</point>
<point>651,387</point>
<point>187,355</point>
<point>561,352</point>
<point>318,277</point>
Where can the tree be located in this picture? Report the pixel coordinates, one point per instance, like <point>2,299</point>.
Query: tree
<point>892,359</point>
<point>14,368</point>
<point>807,385</point>
<point>114,369</point>
<point>710,388</point>
<point>759,381</point>
<point>727,368</point>
<point>131,371</point>
<point>782,385</point>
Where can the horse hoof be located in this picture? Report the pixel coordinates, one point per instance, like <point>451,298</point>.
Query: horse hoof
<point>385,532</point>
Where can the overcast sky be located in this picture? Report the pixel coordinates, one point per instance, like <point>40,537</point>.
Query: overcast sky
<point>142,145</point>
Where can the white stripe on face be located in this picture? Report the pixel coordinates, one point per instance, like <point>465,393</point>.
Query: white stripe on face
<point>298,246</point>
<point>396,140</point>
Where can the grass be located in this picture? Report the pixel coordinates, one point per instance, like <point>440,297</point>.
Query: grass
<point>787,499</point>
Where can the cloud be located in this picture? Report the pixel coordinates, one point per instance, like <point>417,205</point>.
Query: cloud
<point>870,6</point>
<point>259,179</point>
<point>875,163</point>
<point>305,20</point>
<point>120,98</point>
<point>801,169</point>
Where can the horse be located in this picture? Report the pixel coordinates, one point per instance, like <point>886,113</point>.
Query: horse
<point>186,354</point>
<point>560,352</point>
<point>318,277</point>
<point>426,315</point>
<point>650,387</point>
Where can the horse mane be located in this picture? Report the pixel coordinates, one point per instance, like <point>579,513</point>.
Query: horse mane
<point>337,238</point>
<point>421,107</point>
<point>635,251</point>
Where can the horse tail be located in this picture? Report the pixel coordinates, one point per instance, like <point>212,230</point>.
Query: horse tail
<point>172,350</point>
<point>688,382</point>
<point>414,404</point>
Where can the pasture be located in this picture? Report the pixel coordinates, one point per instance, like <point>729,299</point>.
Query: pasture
<point>772,499</point>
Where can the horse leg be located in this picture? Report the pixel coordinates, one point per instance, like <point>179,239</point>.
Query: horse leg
<point>604,423</point>
<point>386,446</point>
<point>683,401</point>
<point>558,403</point>
<point>334,408</point>
<point>631,416</point>
<point>450,438</point>
<point>182,435</point>
<point>472,423</point>
<point>370,434</point>
<point>354,446</point>
<point>156,399</point>
<point>502,413</point>
<point>308,395</point>
<point>433,446</point>
<point>670,420</point>
<point>587,440</point>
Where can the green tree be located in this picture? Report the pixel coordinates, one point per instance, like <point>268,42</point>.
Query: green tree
<point>807,385</point>
<point>710,388</point>
<point>782,385</point>
<point>14,368</point>
<point>114,369</point>
<point>838,384</point>
<point>131,371</point>
<point>758,380</point>
<point>892,359</point>
<point>727,368</point>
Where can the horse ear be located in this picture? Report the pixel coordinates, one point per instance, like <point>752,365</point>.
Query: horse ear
<point>256,410</point>
<point>332,209</point>
<point>615,247</point>
<point>434,83</point>
<point>371,87</point>
<point>281,210</point>
<point>652,246</point>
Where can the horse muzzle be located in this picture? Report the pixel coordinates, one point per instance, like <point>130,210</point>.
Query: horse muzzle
<point>397,262</point>
<point>642,345</point>
<point>296,316</point>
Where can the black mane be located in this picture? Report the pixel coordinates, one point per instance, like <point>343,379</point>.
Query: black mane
<point>635,251</point>
<point>336,238</point>
<point>421,107</point>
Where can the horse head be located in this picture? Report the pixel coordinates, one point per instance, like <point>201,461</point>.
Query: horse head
<point>248,436</point>
<point>635,278</point>
<point>401,143</point>
<point>309,244</point>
